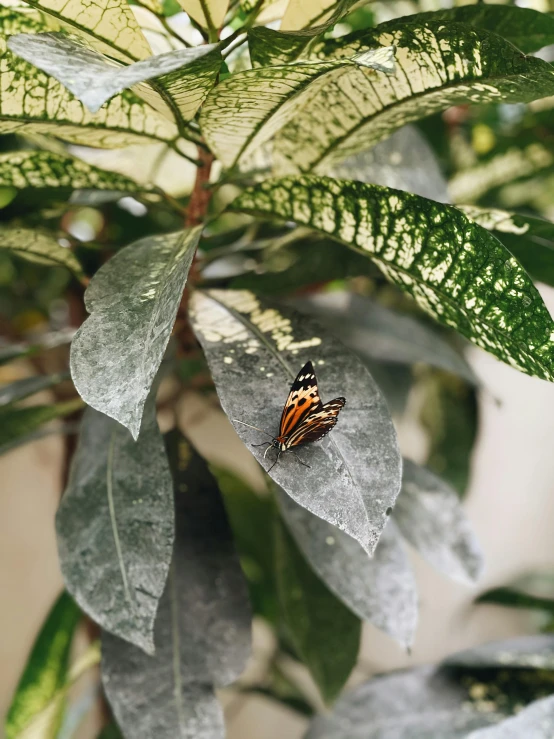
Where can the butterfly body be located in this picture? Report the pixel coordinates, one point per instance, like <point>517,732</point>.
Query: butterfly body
<point>305,418</point>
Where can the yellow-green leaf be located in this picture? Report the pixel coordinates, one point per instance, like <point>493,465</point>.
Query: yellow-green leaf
<point>208,13</point>
<point>39,247</point>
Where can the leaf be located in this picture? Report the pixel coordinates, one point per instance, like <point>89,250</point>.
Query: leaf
<point>270,48</point>
<point>46,669</point>
<point>439,65</point>
<point>202,631</point>
<point>239,115</point>
<point>431,519</point>
<point>376,332</point>
<point>324,632</point>
<point>516,599</point>
<point>43,169</point>
<point>530,239</point>
<point>525,28</point>
<point>109,24</point>
<point>115,526</point>
<point>111,731</point>
<point>536,652</point>
<point>39,247</point>
<point>133,300</point>
<point>381,590</point>
<point>254,352</point>
<point>534,722</point>
<point>28,108</point>
<point>20,389</point>
<point>19,425</point>
<point>420,703</point>
<point>457,271</point>
<point>216,10</point>
<point>8,352</point>
<point>93,80</point>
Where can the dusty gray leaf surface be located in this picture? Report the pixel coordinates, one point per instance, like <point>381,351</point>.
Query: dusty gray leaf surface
<point>379,333</point>
<point>87,73</point>
<point>430,517</point>
<point>536,721</point>
<point>202,631</point>
<point>133,300</point>
<point>535,652</point>
<point>404,161</point>
<point>255,352</point>
<point>115,525</point>
<point>412,704</point>
<point>379,589</point>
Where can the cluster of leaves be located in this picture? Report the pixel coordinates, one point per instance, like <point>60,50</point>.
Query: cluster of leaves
<point>304,176</point>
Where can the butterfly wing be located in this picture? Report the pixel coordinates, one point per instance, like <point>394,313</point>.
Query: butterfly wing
<point>317,424</point>
<point>303,400</point>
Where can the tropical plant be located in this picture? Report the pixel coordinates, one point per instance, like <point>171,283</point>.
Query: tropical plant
<point>194,200</point>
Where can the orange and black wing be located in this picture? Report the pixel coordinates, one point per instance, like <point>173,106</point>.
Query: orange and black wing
<point>317,424</point>
<point>302,401</point>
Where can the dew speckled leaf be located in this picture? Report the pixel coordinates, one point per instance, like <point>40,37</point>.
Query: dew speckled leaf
<point>324,632</point>
<point>438,65</point>
<point>93,80</point>
<point>430,517</point>
<point>46,668</point>
<point>39,247</point>
<point>38,104</point>
<point>109,24</point>
<point>455,270</point>
<point>115,525</point>
<point>376,332</point>
<point>379,589</point>
<point>536,721</point>
<point>202,630</point>
<point>20,425</point>
<point>248,108</point>
<point>414,704</point>
<point>14,391</point>
<point>255,351</point>
<point>133,300</point>
<point>536,652</point>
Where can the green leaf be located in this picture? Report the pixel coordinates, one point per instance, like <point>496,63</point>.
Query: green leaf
<point>111,731</point>
<point>439,65</point>
<point>430,517</point>
<point>21,389</point>
<point>109,24</point>
<point>20,425</point>
<point>379,589</point>
<point>133,300</point>
<point>324,632</point>
<point>8,352</point>
<point>537,720</point>
<point>239,115</point>
<point>46,669</point>
<point>28,108</point>
<point>456,270</point>
<point>202,631</point>
<point>39,247</point>
<point>94,80</point>
<point>530,239</point>
<point>525,28</point>
<point>26,168</point>
<point>515,599</point>
<point>255,351</point>
<point>115,525</point>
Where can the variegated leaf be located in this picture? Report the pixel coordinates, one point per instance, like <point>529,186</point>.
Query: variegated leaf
<point>39,247</point>
<point>456,270</point>
<point>208,13</point>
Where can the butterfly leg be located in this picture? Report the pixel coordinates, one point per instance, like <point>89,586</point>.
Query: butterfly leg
<point>274,463</point>
<point>298,458</point>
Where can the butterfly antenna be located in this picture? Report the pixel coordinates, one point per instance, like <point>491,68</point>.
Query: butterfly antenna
<point>235,420</point>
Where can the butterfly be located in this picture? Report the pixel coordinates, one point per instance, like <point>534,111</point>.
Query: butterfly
<point>304,419</point>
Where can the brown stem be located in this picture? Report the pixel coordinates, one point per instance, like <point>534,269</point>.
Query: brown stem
<point>201,194</point>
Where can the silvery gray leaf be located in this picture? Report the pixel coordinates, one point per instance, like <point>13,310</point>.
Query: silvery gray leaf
<point>133,300</point>
<point>414,704</point>
<point>536,721</point>
<point>27,386</point>
<point>202,631</point>
<point>404,161</point>
<point>89,75</point>
<point>430,517</point>
<point>254,352</point>
<point>115,525</point>
<point>536,652</point>
<point>379,589</point>
<point>379,333</point>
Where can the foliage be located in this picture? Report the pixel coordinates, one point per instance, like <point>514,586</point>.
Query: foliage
<point>262,203</point>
